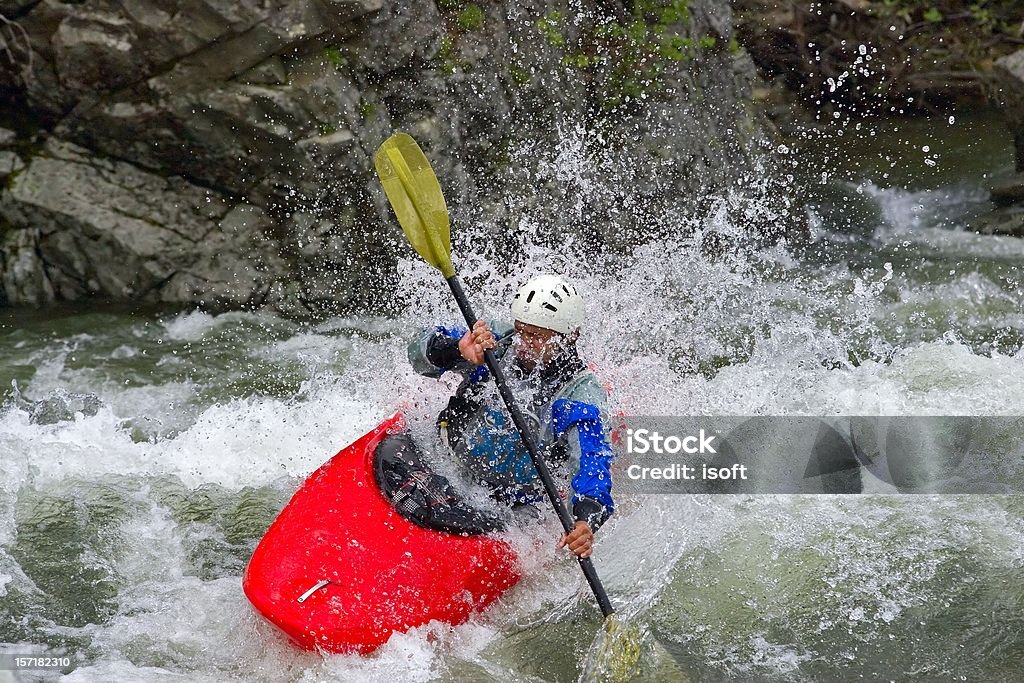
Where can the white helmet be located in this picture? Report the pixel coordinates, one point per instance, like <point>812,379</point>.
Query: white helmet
<point>550,302</point>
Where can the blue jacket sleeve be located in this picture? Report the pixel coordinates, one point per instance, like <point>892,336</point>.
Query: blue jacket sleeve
<point>582,426</point>
<point>435,350</point>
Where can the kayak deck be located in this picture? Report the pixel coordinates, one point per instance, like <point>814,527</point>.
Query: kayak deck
<point>341,570</point>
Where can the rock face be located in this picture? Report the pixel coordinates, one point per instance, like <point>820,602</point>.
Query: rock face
<point>221,153</point>
<point>1010,70</point>
<point>1010,192</point>
<point>1008,196</point>
<point>59,406</point>
<point>106,228</point>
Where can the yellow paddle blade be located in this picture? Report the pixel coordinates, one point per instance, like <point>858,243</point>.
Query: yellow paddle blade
<point>615,654</point>
<point>415,195</point>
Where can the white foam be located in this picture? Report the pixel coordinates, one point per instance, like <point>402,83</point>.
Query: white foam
<point>190,326</point>
<point>910,210</point>
<point>249,442</point>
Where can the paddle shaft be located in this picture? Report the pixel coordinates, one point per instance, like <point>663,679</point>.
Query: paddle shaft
<point>568,523</point>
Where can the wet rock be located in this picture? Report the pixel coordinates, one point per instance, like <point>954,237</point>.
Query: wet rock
<point>7,137</point>
<point>1010,192</point>
<point>269,72</point>
<point>185,157</point>
<point>340,12</point>
<point>11,8</point>
<point>96,52</point>
<point>9,163</point>
<point>1006,221</point>
<point>24,278</point>
<point>1008,218</point>
<point>1010,70</point>
<point>60,406</point>
<point>63,407</point>
<point>112,230</point>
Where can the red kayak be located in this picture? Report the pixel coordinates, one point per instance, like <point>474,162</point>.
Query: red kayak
<point>372,544</point>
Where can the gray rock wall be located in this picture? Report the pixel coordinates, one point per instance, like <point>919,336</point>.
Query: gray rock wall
<point>220,153</point>
<point>1010,97</point>
<point>1008,216</point>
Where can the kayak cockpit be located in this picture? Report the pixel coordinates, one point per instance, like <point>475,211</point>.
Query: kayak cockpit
<point>422,496</point>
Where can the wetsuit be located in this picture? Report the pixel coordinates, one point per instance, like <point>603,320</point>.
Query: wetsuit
<point>563,401</point>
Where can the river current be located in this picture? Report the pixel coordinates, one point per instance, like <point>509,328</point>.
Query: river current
<point>125,525</point>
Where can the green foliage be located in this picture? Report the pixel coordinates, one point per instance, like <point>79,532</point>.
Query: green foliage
<point>662,13</point>
<point>447,52</point>
<point>985,17</point>
<point>937,52</point>
<point>634,56</point>
<point>520,76</point>
<point>894,8</point>
<point>471,18</point>
<point>955,35</point>
<point>676,48</point>
<point>551,27</point>
<point>580,60</point>
<point>367,109</point>
<point>334,56</point>
<point>447,49</point>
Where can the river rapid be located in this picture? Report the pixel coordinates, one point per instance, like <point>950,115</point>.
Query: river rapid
<point>125,526</point>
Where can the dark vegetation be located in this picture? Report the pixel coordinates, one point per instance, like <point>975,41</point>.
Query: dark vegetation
<point>882,56</point>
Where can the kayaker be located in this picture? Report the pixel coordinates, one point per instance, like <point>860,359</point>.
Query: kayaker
<point>563,400</point>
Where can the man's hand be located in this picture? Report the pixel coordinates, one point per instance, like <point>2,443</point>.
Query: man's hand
<point>473,343</point>
<point>580,541</point>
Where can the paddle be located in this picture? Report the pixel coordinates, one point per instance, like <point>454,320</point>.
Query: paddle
<point>415,195</point>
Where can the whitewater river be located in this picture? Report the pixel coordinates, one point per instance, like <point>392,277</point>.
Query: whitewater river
<point>125,527</point>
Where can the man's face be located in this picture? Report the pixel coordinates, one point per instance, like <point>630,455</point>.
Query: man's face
<point>536,345</point>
